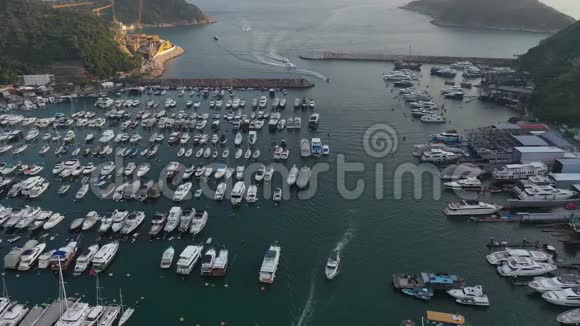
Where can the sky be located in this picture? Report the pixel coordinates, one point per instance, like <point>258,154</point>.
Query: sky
<point>569,7</point>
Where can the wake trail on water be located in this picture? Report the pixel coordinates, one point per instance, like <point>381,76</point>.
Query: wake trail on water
<point>345,240</point>
<point>308,309</point>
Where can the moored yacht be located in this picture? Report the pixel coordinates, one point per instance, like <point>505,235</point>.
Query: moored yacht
<point>270,264</point>
<point>167,258</point>
<point>105,256</point>
<point>75,315</point>
<point>30,256</point>
<point>570,317</point>
<point>472,295</point>
<point>173,219</point>
<point>85,259</point>
<point>499,257</point>
<point>564,281</point>
<point>207,262</point>
<point>468,184</point>
<point>220,264</point>
<point>566,297</point>
<point>62,258</point>
<point>188,258</point>
<point>470,207</point>
<point>237,193</point>
<point>520,266</point>
<point>520,171</point>
<point>198,221</point>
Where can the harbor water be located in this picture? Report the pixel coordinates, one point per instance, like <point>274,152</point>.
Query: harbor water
<point>378,234</point>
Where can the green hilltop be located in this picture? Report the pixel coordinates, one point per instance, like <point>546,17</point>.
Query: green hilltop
<point>555,67</point>
<point>34,36</point>
<point>524,15</point>
<point>159,12</point>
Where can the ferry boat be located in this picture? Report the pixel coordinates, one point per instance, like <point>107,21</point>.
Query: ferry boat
<point>187,259</point>
<point>62,258</point>
<point>105,256</point>
<point>543,193</point>
<point>471,207</point>
<point>85,259</point>
<point>270,264</point>
<point>220,264</point>
<point>520,171</point>
<point>207,262</point>
<point>522,266</point>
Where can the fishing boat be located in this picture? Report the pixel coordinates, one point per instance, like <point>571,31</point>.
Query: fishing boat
<point>167,258</point>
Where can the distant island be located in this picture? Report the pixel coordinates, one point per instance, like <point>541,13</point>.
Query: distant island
<point>555,67</point>
<point>515,15</point>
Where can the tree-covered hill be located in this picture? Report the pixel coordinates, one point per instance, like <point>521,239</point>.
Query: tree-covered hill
<point>526,15</point>
<point>555,66</point>
<point>34,36</point>
<point>159,12</point>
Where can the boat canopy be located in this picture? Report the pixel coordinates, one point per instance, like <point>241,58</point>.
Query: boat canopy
<point>443,317</point>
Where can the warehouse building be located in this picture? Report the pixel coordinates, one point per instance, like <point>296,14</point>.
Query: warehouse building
<point>567,166</point>
<point>545,154</point>
<point>565,180</point>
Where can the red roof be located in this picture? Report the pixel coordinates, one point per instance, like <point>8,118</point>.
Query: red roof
<point>533,126</point>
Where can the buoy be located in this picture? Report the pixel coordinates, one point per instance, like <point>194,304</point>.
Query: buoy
<point>142,298</point>
<point>222,323</point>
<point>181,319</point>
<point>128,275</point>
<point>17,275</point>
<point>225,285</point>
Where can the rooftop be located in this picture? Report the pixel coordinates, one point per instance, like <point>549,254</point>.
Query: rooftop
<point>539,149</point>
<point>530,140</point>
<point>565,176</point>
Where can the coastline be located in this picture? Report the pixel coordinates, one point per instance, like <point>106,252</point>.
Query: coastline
<point>204,21</point>
<point>156,66</point>
<point>432,13</point>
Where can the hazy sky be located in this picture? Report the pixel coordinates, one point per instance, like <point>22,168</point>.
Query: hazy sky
<point>569,7</point>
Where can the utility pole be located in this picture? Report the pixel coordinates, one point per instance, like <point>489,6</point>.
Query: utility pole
<point>114,14</point>
<point>140,13</point>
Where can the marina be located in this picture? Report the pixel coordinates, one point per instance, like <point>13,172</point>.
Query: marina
<point>130,175</point>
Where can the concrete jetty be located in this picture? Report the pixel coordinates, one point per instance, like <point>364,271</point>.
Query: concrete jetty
<point>429,59</point>
<point>232,82</point>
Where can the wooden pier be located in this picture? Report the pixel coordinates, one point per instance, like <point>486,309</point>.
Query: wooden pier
<point>231,82</point>
<point>362,56</point>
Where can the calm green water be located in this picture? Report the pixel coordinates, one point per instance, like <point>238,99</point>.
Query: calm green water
<point>378,236</point>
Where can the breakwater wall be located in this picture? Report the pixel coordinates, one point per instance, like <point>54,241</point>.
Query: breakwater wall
<point>232,82</point>
<point>361,56</point>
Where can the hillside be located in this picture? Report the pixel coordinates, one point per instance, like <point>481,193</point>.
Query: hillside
<point>521,15</point>
<point>160,12</point>
<point>33,36</point>
<point>555,66</point>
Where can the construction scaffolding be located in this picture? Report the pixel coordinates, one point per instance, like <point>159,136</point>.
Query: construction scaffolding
<point>493,144</point>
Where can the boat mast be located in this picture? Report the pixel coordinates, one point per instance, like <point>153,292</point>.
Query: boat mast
<point>98,291</point>
<point>4,289</point>
<point>121,300</point>
<point>62,292</point>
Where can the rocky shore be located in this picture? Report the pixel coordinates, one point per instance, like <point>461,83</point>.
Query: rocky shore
<point>156,66</point>
<point>203,21</point>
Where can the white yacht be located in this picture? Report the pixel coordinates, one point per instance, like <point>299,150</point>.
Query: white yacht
<point>546,284</point>
<point>119,216</point>
<point>182,191</point>
<point>198,221</point>
<point>292,176</point>
<point>173,219</point>
<point>52,221</point>
<point>304,148</point>
<point>438,155</point>
<point>470,183</point>
<point>520,171</point>
<point>499,257</point>
<point>94,315</point>
<point>13,315</point>
<point>432,118</point>
<point>470,295</point>
<point>303,177</point>
<point>90,220</point>
<point>566,297</point>
<point>167,258</point>
<point>85,259</point>
<point>132,222</point>
<point>570,317</point>
<point>207,262</point>
<point>238,193</point>
<point>187,259</point>
<point>30,256</point>
<point>109,316</point>
<point>332,265</point>
<point>471,207</point>
<point>220,191</point>
<point>75,315</point>
<point>270,264</point>
<point>105,256</point>
<point>521,266</point>
<point>44,259</point>
<point>252,194</point>
<point>543,193</point>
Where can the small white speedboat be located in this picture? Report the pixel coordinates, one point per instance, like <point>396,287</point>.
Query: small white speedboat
<point>331,268</point>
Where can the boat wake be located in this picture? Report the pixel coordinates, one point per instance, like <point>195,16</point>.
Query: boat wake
<point>344,241</point>
<point>308,309</point>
